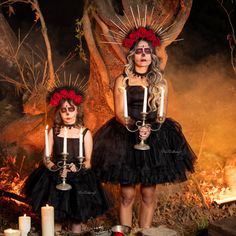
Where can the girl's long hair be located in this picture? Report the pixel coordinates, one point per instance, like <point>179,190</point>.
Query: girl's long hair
<point>154,75</point>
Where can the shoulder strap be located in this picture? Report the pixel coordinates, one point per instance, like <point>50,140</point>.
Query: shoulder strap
<point>84,132</point>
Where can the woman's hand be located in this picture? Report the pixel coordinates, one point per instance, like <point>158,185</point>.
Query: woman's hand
<point>72,167</point>
<point>87,164</point>
<point>144,132</point>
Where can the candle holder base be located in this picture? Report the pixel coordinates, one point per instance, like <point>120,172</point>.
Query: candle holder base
<point>64,187</point>
<point>142,146</point>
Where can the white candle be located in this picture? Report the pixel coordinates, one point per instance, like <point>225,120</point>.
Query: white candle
<point>46,142</point>
<point>65,141</point>
<point>81,142</point>
<point>125,103</point>
<point>11,232</point>
<point>24,224</point>
<point>47,213</point>
<point>145,99</point>
<point>162,100</point>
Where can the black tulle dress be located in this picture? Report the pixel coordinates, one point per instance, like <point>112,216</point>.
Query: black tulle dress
<point>115,160</point>
<point>85,200</point>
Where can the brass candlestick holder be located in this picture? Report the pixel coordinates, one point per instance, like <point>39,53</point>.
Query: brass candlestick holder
<point>141,123</point>
<point>81,160</point>
<point>142,145</point>
<point>63,165</point>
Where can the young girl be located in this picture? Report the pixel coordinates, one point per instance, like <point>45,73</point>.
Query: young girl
<point>86,198</point>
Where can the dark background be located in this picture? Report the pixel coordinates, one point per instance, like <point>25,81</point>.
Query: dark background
<point>205,32</point>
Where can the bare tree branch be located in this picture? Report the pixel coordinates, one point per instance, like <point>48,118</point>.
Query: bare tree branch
<point>230,37</point>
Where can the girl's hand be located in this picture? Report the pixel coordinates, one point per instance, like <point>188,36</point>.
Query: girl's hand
<point>64,173</point>
<point>72,167</point>
<point>144,132</point>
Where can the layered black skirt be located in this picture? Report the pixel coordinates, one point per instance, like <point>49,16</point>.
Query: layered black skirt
<point>86,200</point>
<point>115,160</point>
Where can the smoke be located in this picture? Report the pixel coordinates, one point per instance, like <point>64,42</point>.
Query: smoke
<point>202,98</point>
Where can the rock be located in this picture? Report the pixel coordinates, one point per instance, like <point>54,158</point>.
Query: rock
<point>161,230</point>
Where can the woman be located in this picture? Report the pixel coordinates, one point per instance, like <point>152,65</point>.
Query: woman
<point>116,160</point>
<point>86,198</point>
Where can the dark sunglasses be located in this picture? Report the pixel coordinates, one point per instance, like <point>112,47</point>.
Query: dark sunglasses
<point>143,50</point>
<point>67,109</point>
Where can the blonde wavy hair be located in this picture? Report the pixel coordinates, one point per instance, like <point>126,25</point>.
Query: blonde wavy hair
<point>154,76</point>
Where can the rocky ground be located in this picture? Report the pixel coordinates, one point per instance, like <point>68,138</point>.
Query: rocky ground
<point>181,212</point>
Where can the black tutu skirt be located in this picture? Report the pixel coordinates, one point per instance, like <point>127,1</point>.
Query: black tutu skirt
<point>115,160</point>
<point>87,199</point>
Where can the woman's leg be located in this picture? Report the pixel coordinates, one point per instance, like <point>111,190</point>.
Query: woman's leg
<point>76,228</point>
<point>147,206</point>
<point>127,194</point>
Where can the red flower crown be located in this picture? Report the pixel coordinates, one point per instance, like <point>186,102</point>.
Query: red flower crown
<point>141,33</point>
<point>65,94</point>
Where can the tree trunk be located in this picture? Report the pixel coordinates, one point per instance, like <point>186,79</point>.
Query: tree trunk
<point>107,60</point>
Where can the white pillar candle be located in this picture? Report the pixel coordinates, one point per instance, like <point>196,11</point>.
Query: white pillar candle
<point>81,142</point>
<point>145,99</point>
<point>125,103</point>
<point>24,224</point>
<point>47,219</point>
<point>46,142</point>
<point>11,232</point>
<point>162,100</point>
<point>65,141</point>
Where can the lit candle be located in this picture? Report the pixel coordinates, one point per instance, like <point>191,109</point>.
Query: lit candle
<point>24,224</point>
<point>145,99</point>
<point>11,232</point>
<point>81,142</point>
<point>65,141</point>
<point>162,102</point>
<point>47,213</point>
<point>125,103</point>
<point>46,142</point>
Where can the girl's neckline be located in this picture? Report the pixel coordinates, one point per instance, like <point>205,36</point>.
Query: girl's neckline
<point>69,126</point>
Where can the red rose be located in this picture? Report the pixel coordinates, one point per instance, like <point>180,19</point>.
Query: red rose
<point>142,32</point>
<point>71,94</point>
<point>134,35</point>
<point>156,42</point>
<point>128,43</point>
<point>118,234</point>
<point>56,98</point>
<point>77,99</point>
<point>64,93</point>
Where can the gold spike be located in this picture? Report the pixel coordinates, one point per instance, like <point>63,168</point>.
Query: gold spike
<point>111,42</point>
<point>118,27</point>
<point>162,23</point>
<point>133,17</point>
<point>139,20</point>
<point>164,30</point>
<point>123,24</point>
<point>145,16</point>
<point>130,24</point>
<point>111,36</point>
<point>151,15</point>
<point>118,33</point>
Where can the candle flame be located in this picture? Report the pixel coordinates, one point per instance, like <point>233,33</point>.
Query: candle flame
<point>46,127</point>
<point>24,215</point>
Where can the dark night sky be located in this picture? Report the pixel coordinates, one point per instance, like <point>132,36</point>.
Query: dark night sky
<point>206,28</point>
